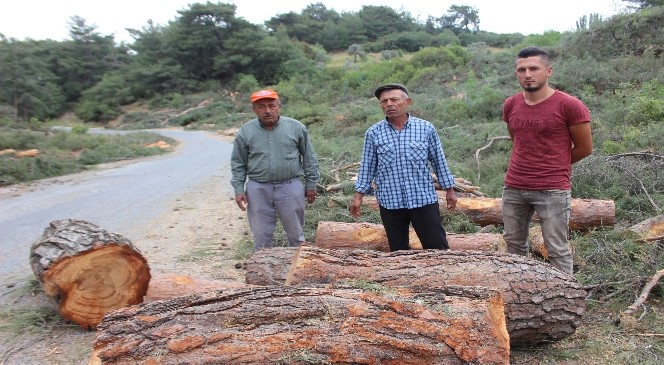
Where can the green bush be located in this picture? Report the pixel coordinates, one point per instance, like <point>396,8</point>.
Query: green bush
<point>645,110</point>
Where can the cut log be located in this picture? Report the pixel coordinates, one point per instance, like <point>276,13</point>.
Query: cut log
<point>542,303</point>
<point>586,213</point>
<point>88,270</point>
<point>650,229</point>
<point>536,242</point>
<point>370,236</point>
<point>289,325</point>
<point>591,213</point>
<point>166,286</point>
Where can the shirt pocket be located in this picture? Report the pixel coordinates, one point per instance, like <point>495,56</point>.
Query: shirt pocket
<point>386,156</point>
<point>289,150</point>
<point>418,151</point>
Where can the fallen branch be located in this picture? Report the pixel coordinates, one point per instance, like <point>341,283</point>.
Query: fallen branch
<point>644,293</point>
<point>477,153</point>
<point>354,164</point>
<point>645,334</point>
<point>614,157</point>
<point>645,191</point>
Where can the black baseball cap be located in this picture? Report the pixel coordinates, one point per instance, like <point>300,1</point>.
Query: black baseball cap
<point>380,89</point>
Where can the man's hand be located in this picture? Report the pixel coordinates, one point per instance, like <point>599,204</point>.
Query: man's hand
<point>311,196</point>
<point>241,200</point>
<point>450,198</point>
<point>355,205</point>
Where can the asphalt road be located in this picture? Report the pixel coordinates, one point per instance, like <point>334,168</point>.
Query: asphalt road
<point>122,199</point>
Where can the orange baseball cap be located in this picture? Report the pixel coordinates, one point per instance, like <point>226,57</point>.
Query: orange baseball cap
<point>264,94</point>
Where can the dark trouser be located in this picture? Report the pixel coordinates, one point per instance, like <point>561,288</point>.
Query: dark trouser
<point>425,221</point>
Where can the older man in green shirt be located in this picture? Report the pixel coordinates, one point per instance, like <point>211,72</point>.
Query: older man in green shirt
<point>272,155</point>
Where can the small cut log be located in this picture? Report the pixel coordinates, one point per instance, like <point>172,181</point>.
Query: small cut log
<point>284,325</point>
<point>88,270</point>
<point>371,236</point>
<point>542,303</point>
<point>651,229</point>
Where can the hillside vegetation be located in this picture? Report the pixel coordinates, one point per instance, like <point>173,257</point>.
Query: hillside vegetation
<point>458,77</point>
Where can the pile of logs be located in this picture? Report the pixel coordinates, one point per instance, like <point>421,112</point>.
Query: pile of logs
<point>542,304</point>
<point>328,305</point>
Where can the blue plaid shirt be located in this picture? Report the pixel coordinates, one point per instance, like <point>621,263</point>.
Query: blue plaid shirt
<point>399,162</point>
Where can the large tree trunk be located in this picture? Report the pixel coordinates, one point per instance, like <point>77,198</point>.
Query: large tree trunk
<point>269,266</point>
<point>542,303</point>
<point>89,270</point>
<point>370,236</point>
<point>586,213</point>
<point>289,325</point>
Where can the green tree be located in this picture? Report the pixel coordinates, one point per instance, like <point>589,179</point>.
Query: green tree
<point>461,17</point>
<point>154,70</point>
<point>82,62</point>
<point>198,40</point>
<point>28,85</point>
<point>641,4</point>
<point>356,50</point>
<point>379,21</point>
<point>338,36</point>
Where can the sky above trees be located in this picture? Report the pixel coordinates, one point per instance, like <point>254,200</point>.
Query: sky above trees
<point>46,19</point>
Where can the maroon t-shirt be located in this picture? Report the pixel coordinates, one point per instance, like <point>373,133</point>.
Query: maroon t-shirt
<point>541,146</point>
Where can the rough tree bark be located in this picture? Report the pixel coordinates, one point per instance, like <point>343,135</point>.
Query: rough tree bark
<point>275,325</point>
<point>542,303</point>
<point>88,270</point>
<point>168,286</point>
<point>269,266</point>
<point>586,213</point>
<point>370,236</point>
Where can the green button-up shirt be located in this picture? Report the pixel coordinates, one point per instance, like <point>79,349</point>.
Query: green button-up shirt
<point>273,155</point>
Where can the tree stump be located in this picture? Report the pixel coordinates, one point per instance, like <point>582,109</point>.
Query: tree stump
<point>542,303</point>
<point>289,325</point>
<point>88,270</point>
<point>370,236</point>
<point>586,213</point>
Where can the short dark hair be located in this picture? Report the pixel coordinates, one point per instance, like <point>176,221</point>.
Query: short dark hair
<point>533,51</point>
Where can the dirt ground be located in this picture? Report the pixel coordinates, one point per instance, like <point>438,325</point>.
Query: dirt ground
<point>198,236</point>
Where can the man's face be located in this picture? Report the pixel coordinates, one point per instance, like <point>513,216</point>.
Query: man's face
<point>394,103</point>
<point>532,73</point>
<point>267,110</point>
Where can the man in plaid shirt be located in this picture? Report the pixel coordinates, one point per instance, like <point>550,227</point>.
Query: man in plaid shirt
<point>397,154</point>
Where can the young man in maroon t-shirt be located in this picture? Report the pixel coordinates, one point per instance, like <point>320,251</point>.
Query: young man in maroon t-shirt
<point>550,130</point>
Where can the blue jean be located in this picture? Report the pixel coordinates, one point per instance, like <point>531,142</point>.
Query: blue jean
<point>265,201</point>
<point>553,208</point>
